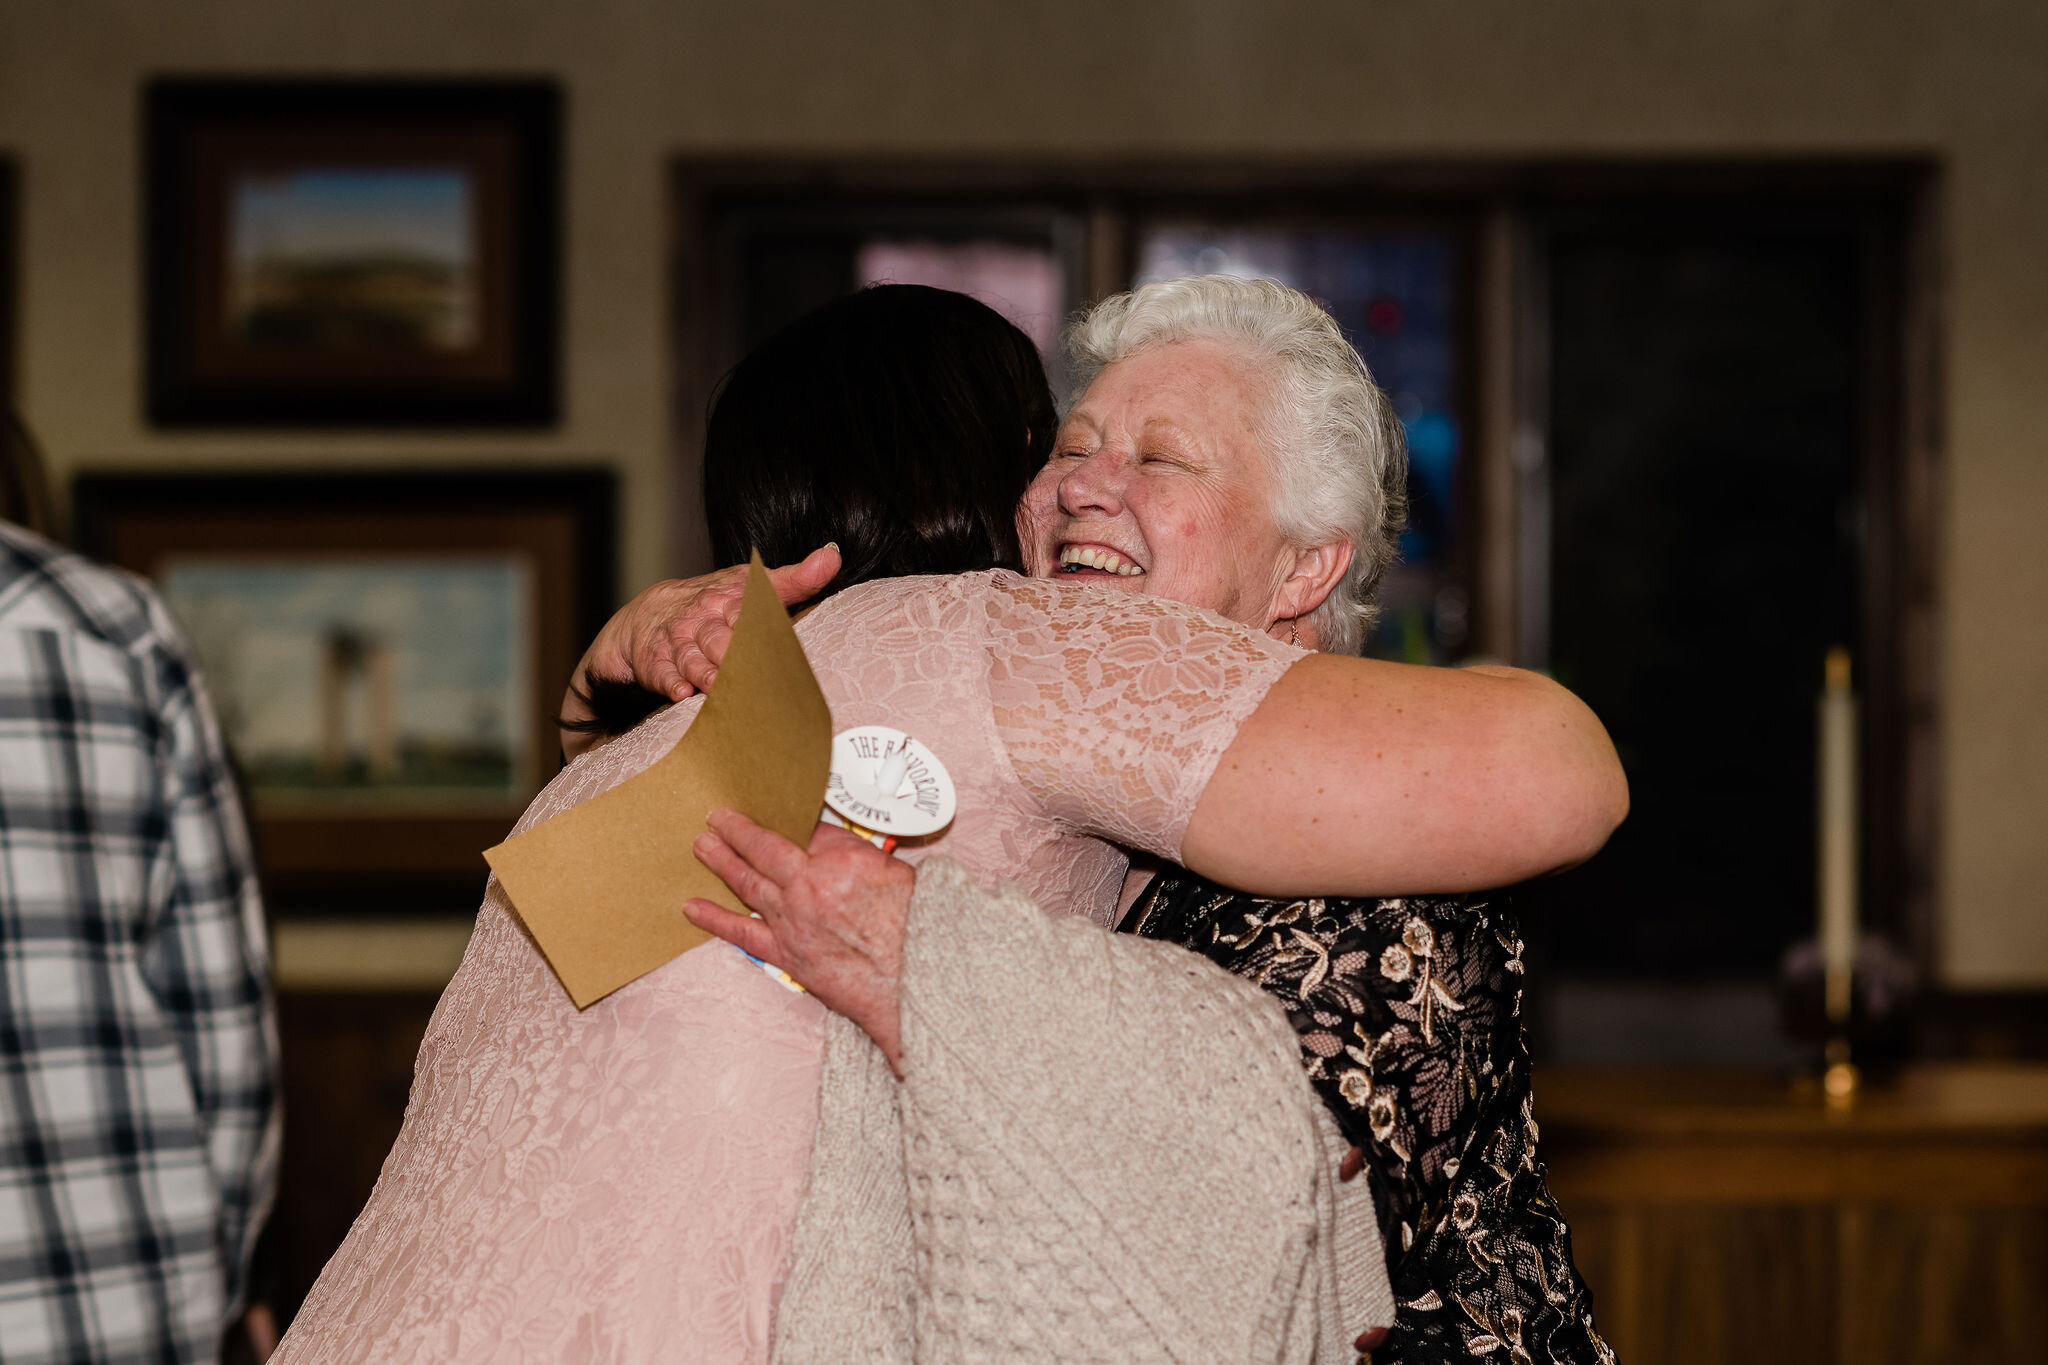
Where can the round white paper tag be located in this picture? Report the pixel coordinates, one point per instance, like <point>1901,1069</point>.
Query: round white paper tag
<point>885,781</point>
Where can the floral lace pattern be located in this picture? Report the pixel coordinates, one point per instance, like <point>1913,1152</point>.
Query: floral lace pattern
<point>622,1183</point>
<point>1115,709</point>
<point>1408,1013</point>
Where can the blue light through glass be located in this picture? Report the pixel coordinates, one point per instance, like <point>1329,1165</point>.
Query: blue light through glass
<point>1394,294</point>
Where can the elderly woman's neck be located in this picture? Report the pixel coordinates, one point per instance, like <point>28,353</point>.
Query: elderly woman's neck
<point>1300,630</point>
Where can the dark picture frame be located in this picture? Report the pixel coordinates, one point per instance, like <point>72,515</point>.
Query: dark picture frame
<point>340,253</point>
<point>264,546</point>
<point>10,201</point>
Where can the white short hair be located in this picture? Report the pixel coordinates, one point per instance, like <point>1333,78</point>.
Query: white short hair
<point>1340,461</point>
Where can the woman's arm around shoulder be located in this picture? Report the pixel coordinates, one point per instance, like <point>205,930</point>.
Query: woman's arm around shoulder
<point>1362,777</point>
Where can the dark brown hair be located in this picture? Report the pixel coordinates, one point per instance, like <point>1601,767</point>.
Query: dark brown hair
<point>902,422</point>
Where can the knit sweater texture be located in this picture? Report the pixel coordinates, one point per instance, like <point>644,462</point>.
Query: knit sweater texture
<point>1048,1183</point>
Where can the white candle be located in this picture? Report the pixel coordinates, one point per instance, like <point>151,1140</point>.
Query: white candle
<point>1837,835</point>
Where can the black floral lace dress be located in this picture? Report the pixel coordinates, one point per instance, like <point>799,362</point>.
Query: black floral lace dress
<point>1409,1013</point>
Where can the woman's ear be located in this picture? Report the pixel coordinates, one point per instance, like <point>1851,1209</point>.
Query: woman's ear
<point>1314,575</point>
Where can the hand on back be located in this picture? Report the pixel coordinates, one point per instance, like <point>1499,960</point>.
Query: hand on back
<point>671,638</point>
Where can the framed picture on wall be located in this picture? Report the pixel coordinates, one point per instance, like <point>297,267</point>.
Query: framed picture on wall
<point>352,253</point>
<point>385,652</point>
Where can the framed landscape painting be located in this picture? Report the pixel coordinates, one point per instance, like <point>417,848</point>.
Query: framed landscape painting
<point>385,653</point>
<point>349,253</point>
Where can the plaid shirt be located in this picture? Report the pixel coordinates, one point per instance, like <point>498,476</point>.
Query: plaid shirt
<point>138,1101</point>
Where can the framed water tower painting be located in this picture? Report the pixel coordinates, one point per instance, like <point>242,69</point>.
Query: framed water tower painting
<point>385,652</point>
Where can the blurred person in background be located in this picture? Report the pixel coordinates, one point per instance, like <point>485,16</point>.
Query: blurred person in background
<point>139,1119</point>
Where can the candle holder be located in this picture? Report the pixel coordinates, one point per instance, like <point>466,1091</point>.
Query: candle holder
<point>1841,1081</point>
<point>1872,1042</point>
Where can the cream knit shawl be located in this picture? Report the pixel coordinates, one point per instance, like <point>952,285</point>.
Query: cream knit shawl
<point>1103,1149</point>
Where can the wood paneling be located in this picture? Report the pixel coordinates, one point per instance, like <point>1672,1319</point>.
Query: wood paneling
<point>348,1063</point>
<point>1944,1286</point>
<point>1733,1218</point>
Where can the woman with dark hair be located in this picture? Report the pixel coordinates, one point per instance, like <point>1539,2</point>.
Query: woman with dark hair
<point>900,423</point>
<point>624,1183</point>
<point>936,419</point>
<point>624,1179</point>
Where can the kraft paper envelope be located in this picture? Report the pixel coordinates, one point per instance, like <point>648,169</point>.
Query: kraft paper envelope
<point>601,886</point>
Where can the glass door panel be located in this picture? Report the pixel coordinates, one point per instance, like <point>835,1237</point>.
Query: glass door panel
<point>1397,296</point>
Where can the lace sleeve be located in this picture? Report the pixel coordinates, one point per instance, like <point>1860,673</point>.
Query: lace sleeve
<point>1115,709</point>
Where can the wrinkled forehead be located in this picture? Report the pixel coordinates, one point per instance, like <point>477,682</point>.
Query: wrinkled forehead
<point>1209,393</point>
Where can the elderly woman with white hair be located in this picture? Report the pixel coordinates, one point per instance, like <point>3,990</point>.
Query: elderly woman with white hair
<point>1229,449</point>
<point>1306,454</point>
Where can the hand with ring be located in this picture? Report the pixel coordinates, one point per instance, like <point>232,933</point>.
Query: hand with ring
<point>833,916</point>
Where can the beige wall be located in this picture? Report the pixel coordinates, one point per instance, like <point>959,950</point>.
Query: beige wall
<point>1961,79</point>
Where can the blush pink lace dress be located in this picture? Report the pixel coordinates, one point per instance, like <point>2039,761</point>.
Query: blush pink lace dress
<point>619,1185</point>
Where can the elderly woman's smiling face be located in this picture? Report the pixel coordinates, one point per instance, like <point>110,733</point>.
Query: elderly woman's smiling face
<point>1158,484</point>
